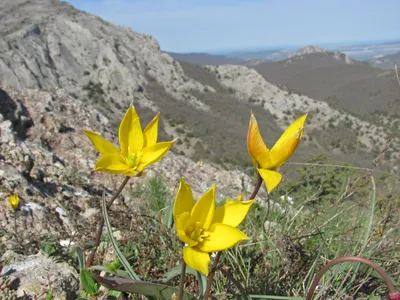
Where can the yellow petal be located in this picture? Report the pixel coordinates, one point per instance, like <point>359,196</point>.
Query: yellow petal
<point>103,146</point>
<point>271,178</point>
<point>196,259</point>
<point>287,143</point>
<point>151,132</point>
<point>154,153</point>
<point>203,211</point>
<point>13,200</point>
<point>232,212</point>
<point>256,147</point>
<point>184,199</point>
<point>112,163</point>
<point>180,223</point>
<point>130,133</point>
<point>221,237</point>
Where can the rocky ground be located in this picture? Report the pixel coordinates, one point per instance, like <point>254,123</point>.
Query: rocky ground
<point>48,162</point>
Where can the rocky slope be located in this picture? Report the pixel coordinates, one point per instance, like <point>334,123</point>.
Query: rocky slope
<point>285,106</point>
<point>308,50</point>
<point>46,44</point>
<point>331,77</point>
<point>48,162</point>
<point>205,58</point>
<point>316,51</point>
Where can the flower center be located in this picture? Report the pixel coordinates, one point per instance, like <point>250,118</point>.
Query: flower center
<point>132,159</point>
<point>197,233</point>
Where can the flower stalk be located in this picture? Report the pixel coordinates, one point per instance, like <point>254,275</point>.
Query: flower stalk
<point>182,282</point>
<point>99,232</point>
<point>13,200</point>
<point>218,256</point>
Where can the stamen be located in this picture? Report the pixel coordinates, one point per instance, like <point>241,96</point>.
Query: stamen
<point>132,160</point>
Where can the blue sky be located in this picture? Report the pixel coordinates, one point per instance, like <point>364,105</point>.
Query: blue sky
<point>223,25</point>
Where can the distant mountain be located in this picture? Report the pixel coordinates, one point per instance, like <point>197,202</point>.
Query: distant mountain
<point>368,51</point>
<point>203,59</point>
<point>232,58</point>
<point>386,62</point>
<point>252,57</point>
<point>307,50</point>
<point>334,78</point>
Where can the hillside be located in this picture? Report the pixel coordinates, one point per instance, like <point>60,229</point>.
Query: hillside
<point>47,44</point>
<point>386,62</point>
<point>262,55</point>
<point>331,77</point>
<point>206,59</point>
<point>335,131</point>
<point>58,47</point>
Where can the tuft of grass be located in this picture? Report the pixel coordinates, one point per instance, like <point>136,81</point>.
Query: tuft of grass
<point>154,192</point>
<point>335,213</point>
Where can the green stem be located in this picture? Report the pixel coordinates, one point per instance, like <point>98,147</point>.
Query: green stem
<point>99,232</point>
<point>182,283</point>
<point>15,225</point>
<point>217,257</point>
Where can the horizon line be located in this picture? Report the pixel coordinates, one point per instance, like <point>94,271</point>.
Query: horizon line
<point>286,46</point>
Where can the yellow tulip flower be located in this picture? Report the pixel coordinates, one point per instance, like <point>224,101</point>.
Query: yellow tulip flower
<point>138,149</point>
<point>267,161</point>
<point>205,229</point>
<point>14,201</point>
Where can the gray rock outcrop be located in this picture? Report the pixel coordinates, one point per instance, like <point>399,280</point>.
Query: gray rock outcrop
<point>36,275</point>
<point>47,43</point>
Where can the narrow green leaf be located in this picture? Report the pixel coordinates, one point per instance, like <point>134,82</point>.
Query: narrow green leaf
<point>369,226</point>
<point>49,295</point>
<point>202,283</point>
<point>120,273</point>
<point>275,297</point>
<point>114,266</point>
<point>176,271</point>
<point>113,295</point>
<point>372,212</point>
<point>168,217</point>
<point>121,256</point>
<point>89,285</point>
<point>81,257</point>
<point>148,289</point>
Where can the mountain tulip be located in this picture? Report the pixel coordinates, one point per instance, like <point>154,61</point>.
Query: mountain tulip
<point>205,229</point>
<point>267,161</point>
<point>138,149</point>
<point>13,200</point>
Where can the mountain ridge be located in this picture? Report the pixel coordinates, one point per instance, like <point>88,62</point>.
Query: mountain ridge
<point>110,67</point>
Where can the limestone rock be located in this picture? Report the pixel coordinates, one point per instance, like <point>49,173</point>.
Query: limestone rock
<point>38,274</point>
<point>47,44</point>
